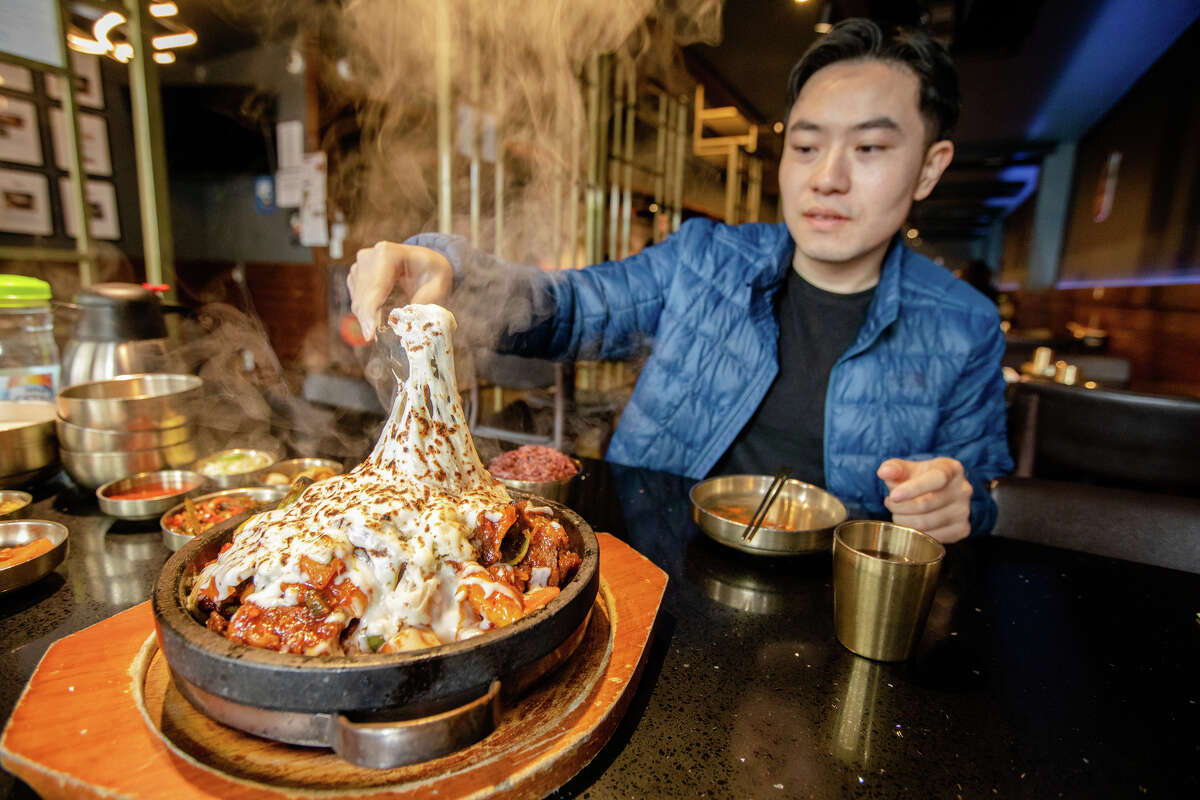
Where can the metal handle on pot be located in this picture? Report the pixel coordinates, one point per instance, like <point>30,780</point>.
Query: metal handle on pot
<point>382,745</point>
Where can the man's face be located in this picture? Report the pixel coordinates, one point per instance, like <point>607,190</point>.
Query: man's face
<point>854,160</point>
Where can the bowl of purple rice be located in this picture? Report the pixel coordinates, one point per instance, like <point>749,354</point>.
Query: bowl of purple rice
<point>536,469</point>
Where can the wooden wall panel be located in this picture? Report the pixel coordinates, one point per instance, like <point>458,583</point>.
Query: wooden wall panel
<point>1156,327</point>
<point>290,300</point>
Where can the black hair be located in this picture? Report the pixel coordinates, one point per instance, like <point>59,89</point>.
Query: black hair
<point>863,39</point>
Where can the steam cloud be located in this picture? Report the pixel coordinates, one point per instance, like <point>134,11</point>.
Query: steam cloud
<point>520,64</point>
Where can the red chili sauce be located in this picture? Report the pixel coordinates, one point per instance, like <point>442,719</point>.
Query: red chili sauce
<point>149,492</point>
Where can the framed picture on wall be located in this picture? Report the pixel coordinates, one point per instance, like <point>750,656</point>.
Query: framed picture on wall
<point>93,142</point>
<point>87,81</point>
<point>24,203</point>
<point>102,209</point>
<point>14,78</point>
<point>19,139</point>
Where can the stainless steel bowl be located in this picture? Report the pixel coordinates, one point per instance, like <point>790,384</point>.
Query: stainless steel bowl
<point>265,496</point>
<point>801,520</point>
<point>93,470</point>
<point>178,483</point>
<point>282,473</point>
<point>551,490</point>
<point>18,532</point>
<point>131,402</point>
<point>244,477</point>
<point>27,440</point>
<point>98,440</point>
<point>10,496</point>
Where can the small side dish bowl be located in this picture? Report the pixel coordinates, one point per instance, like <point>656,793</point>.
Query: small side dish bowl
<point>551,490</point>
<point>237,466</point>
<point>14,504</point>
<point>801,520</point>
<point>518,469</point>
<point>148,494</point>
<point>255,498</point>
<point>282,473</point>
<point>21,533</point>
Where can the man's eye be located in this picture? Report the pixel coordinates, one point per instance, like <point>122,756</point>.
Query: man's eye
<point>804,149</point>
<point>872,148</point>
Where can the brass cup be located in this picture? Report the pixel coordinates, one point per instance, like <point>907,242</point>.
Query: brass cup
<point>884,577</point>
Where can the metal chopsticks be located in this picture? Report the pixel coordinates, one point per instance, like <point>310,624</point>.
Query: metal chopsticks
<point>760,514</point>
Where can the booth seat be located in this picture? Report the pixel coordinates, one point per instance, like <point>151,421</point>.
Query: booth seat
<point>1121,439</point>
<point>1148,528</point>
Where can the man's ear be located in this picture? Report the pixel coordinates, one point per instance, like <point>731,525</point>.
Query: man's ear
<point>937,158</point>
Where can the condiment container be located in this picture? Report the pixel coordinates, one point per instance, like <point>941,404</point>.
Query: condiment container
<point>148,494</point>
<point>29,360</point>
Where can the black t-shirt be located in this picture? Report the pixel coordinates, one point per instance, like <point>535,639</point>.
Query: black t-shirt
<point>815,328</point>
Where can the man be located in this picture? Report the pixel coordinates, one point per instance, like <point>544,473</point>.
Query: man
<point>866,367</point>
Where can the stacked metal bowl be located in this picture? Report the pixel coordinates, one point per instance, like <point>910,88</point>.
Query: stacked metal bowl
<point>28,449</point>
<point>115,428</point>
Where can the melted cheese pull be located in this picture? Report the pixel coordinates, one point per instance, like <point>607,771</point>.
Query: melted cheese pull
<point>382,558</point>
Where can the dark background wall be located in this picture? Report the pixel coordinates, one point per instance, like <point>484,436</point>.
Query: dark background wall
<point>1151,231</point>
<point>1135,274</point>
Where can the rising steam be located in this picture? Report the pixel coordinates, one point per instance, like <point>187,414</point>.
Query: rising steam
<point>522,66</point>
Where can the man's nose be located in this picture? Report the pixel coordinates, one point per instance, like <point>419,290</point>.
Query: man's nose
<point>831,174</point>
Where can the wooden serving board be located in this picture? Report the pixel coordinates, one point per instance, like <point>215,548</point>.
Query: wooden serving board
<point>100,718</point>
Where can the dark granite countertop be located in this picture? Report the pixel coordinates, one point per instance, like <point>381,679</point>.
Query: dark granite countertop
<point>1042,673</point>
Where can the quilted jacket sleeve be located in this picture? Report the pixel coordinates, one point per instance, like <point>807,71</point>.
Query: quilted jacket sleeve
<point>603,311</point>
<point>972,428</point>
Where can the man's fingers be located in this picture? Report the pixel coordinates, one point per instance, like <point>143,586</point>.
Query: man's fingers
<point>947,523</point>
<point>931,480</point>
<point>892,472</point>
<point>954,493</point>
<point>944,530</point>
<point>370,280</point>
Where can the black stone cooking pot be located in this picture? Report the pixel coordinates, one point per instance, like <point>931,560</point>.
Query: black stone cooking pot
<point>393,686</point>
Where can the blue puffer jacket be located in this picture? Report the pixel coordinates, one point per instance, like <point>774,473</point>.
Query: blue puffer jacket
<point>922,379</point>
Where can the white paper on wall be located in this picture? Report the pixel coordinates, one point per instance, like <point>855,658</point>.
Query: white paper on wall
<point>314,227</point>
<point>19,139</point>
<point>25,203</point>
<point>93,142</point>
<point>101,199</point>
<point>289,143</point>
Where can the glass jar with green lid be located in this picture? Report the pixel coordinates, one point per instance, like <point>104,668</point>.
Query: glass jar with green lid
<point>29,360</point>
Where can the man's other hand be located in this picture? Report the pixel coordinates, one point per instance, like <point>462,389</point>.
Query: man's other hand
<point>931,496</point>
<point>424,275</point>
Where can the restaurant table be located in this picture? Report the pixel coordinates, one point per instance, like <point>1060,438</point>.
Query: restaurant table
<point>1042,672</point>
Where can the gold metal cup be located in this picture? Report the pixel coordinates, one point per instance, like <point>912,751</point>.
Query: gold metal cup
<point>884,576</point>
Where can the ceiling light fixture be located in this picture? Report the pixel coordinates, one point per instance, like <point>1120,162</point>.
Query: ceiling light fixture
<point>81,43</point>
<point>105,39</point>
<point>104,26</point>
<point>169,40</point>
